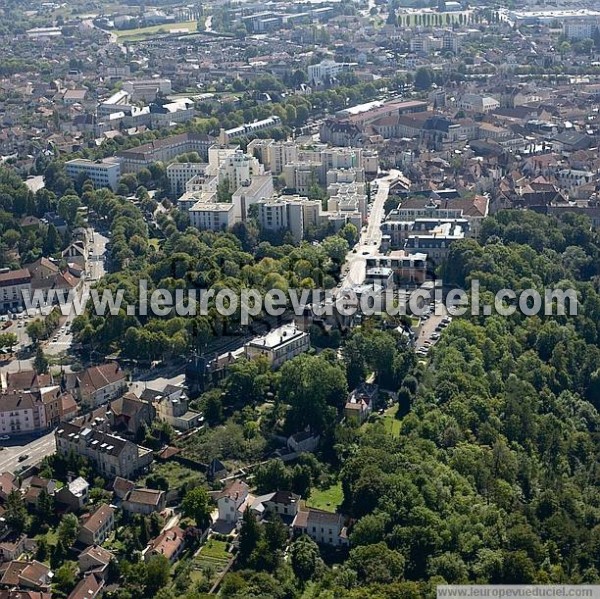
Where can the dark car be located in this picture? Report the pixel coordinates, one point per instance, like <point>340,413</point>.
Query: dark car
<point>23,457</point>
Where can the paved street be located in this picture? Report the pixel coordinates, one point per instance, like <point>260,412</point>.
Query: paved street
<point>370,239</point>
<point>35,449</point>
<point>62,340</point>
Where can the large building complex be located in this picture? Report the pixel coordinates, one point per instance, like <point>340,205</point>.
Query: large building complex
<point>164,150</point>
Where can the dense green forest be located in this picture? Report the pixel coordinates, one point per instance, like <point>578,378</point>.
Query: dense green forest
<point>494,475</point>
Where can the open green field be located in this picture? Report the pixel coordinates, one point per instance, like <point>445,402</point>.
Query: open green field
<point>148,32</point>
<point>326,499</point>
<point>391,424</point>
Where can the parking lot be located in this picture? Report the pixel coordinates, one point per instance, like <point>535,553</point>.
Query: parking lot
<point>431,327</point>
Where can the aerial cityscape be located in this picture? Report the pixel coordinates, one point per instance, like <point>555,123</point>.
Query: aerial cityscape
<point>299,299</point>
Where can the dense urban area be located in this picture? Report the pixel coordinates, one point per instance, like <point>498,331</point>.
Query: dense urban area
<point>341,148</point>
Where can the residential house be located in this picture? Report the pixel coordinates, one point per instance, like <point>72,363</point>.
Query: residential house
<point>97,385</point>
<point>76,253</point>
<point>26,575</point>
<point>325,528</point>
<point>22,413</point>
<point>87,588</point>
<point>360,403</point>
<point>283,503</point>
<point>74,494</point>
<point>12,546</point>
<point>8,484</point>
<point>95,559</point>
<point>144,501</point>
<point>231,501</point>
<point>304,441</point>
<point>128,414</point>
<point>122,487</point>
<point>34,486</point>
<point>172,406</point>
<point>169,543</point>
<point>96,528</point>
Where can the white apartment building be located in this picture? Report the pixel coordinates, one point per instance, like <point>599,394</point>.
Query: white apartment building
<point>239,168</point>
<point>21,413</point>
<point>212,216</point>
<point>347,197</point>
<point>301,176</point>
<point>581,28</point>
<point>274,155</point>
<point>279,345</point>
<point>12,285</point>
<point>257,189</point>
<point>101,174</point>
<point>218,154</point>
<point>325,71</point>
<point>179,173</point>
<point>345,175</point>
<point>292,213</point>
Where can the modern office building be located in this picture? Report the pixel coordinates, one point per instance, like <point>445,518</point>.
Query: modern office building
<point>101,174</point>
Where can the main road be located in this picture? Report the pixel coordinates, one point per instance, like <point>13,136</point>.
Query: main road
<point>32,449</point>
<point>370,238</point>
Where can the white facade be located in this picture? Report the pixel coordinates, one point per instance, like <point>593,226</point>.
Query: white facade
<point>278,345</point>
<point>582,28</point>
<point>238,168</point>
<point>292,213</point>
<point>325,70</point>
<point>13,284</point>
<point>477,103</point>
<point>212,216</point>
<point>102,174</point>
<point>179,173</point>
<point>21,413</point>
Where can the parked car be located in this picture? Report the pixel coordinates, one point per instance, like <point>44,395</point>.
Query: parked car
<point>5,438</point>
<point>23,457</point>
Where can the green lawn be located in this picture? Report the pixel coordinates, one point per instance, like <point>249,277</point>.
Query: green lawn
<point>178,475</point>
<point>326,499</point>
<point>51,537</point>
<point>215,550</point>
<point>391,424</point>
<point>146,32</point>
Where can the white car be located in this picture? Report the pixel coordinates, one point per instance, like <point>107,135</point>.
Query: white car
<point>5,438</point>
